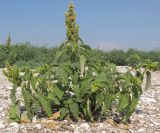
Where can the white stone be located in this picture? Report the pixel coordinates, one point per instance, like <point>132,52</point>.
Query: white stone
<point>1,109</point>
<point>15,130</point>
<point>76,130</point>
<point>85,126</point>
<point>2,115</point>
<point>101,125</point>
<point>140,116</point>
<point>2,126</point>
<point>147,99</point>
<point>34,120</point>
<point>72,126</point>
<point>1,122</point>
<point>21,127</point>
<point>38,126</point>
<point>10,88</point>
<point>14,124</point>
<point>155,123</point>
<point>65,121</point>
<point>141,130</point>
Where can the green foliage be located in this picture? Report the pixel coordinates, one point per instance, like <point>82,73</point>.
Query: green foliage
<point>133,60</point>
<point>45,104</point>
<point>116,56</point>
<point>79,86</point>
<point>22,55</point>
<point>14,113</point>
<point>77,83</point>
<point>13,75</point>
<point>8,43</point>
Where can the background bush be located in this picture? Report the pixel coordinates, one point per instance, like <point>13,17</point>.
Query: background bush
<point>25,54</point>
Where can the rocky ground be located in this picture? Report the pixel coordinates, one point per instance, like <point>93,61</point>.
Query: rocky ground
<point>146,118</point>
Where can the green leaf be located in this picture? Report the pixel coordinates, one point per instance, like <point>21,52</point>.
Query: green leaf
<point>68,101</point>
<point>78,100</point>
<point>95,86</point>
<point>101,77</point>
<point>99,100</point>
<point>46,105</point>
<point>62,75</point>
<point>27,75</point>
<point>43,83</point>
<point>123,102</point>
<point>67,67</point>
<point>58,92</point>
<point>36,106</point>
<point>52,97</point>
<point>33,82</point>
<point>89,112</point>
<point>27,101</point>
<point>74,109</point>
<point>14,113</point>
<point>153,65</point>
<point>85,86</point>
<point>75,77</point>
<point>107,102</point>
<point>76,90</point>
<point>86,110</point>
<point>60,54</point>
<point>63,112</point>
<point>82,63</point>
<point>13,95</point>
<point>131,109</point>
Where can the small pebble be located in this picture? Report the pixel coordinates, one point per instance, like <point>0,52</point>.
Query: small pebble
<point>85,126</point>
<point>14,124</point>
<point>72,126</point>
<point>141,130</point>
<point>34,120</point>
<point>2,126</point>
<point>138,111</point>
<point>38,126</point>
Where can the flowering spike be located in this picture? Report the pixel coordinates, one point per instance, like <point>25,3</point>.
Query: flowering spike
<point>72,29</point>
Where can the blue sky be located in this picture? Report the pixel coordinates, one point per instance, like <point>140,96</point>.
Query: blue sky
<point>105,24</point>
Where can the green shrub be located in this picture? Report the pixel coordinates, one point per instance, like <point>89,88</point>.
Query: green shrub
<point>78,87</point>
<point>77,84</point>
<point>36,56</point>
<point>133,60</point>
<point>118,57</point>
<point>23,54</point>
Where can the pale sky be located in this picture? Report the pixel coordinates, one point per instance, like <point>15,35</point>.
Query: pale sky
<point>103,23</point>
